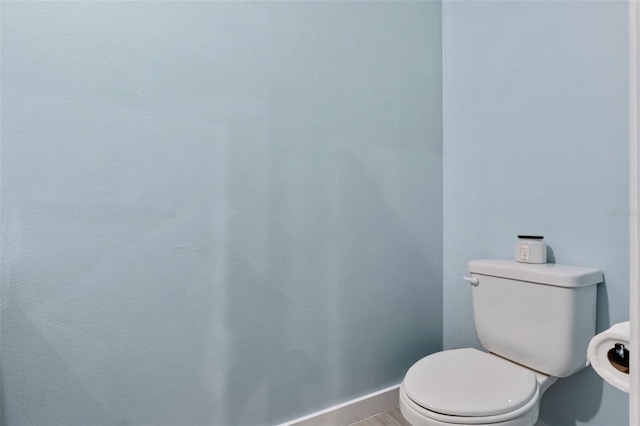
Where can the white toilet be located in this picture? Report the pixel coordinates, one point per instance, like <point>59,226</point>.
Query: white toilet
<point>535,320</point>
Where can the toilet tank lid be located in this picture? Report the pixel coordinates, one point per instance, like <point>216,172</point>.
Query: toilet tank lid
<point>542,273</point>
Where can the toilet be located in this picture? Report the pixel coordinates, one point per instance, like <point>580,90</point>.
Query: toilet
<point>534,320</point>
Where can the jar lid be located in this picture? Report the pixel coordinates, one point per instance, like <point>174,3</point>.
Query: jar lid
<point>530,237</point>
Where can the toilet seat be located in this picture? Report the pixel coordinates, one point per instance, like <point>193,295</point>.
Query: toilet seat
<point>467,386</point>
<point>420,416</point>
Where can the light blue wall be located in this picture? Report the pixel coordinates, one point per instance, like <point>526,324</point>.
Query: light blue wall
<point>231,212</point>
<point>535,141</point>
<point>216,213</point>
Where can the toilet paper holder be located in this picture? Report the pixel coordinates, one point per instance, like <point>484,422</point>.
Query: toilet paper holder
<point>619,357</point>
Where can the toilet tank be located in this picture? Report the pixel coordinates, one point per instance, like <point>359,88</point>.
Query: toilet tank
<point>539,315</point>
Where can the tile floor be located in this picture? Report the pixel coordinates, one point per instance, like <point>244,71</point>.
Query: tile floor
<point>388,418</point>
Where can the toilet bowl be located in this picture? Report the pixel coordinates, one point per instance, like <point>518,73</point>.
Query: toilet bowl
<point>470,387</point>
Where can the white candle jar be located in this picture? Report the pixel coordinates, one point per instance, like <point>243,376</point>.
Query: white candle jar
<point>531,249</point>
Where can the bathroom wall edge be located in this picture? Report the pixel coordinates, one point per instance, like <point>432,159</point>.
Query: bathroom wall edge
<point>634,219</point>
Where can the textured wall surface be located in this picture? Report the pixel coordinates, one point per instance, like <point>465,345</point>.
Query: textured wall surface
<point>231,213</point>
<point>535,141</point>
<point>216,213</point>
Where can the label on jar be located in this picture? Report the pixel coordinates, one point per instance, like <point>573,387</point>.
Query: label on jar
<point>524,252</point>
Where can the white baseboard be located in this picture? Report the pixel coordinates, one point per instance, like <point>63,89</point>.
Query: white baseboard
<point>351,411</point>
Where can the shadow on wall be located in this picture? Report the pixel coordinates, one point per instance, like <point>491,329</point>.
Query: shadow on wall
<point>323,322</point>
<point>266,373</point>
<point>42,379</point>
<point>185,325</point>
<point>551,257</point>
